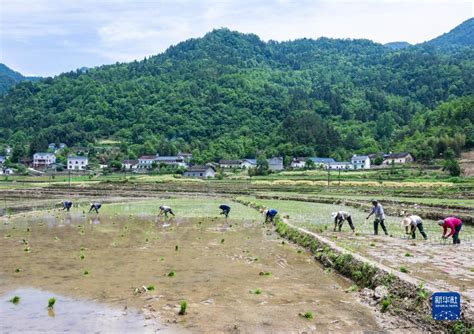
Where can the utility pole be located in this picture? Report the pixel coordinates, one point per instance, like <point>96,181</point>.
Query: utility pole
<point>69,178</point>
<point>329,176</point>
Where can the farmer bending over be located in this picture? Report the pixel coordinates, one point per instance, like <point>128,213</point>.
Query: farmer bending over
<point>270,215</point>
<point>454,224</point>
<point>225,210</point>
<point>379,217</point>
<point>340,217</point>
<point>95,206</point>
<point>67,205</point>
<point>164,209</point>
<point>412,223</point>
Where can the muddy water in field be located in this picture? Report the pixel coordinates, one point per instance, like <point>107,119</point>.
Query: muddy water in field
<point>216,265</point>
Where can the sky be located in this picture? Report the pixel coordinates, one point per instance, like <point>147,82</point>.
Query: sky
<point>47,37</point>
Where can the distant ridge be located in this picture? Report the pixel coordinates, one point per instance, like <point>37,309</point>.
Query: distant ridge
<point>9,78</point>
<point>397,45</point>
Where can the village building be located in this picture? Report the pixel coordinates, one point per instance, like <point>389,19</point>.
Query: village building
<point>398,158</point>
<point>43,160</point>
<point>275,163</point>
<point>2,159</point>
<point>77,163</point>
<point>299,162</point>
<point>186,156</point>
<point>345,165</point>
<point>146,162</point>
<point>130,164</point>
<point>203,172</point>
<point>361,161</point>
<point>177,160</point>
<point>230,163</point>
<point>249,163</point>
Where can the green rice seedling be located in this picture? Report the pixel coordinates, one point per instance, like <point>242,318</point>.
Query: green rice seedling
<point>27,229</point>
<point>146,240</point>
<point>307,315</point>
<point>27,249</point>
<point>171,274</point>
<point>408,255</point>
<point>82,256</point>
<point>386,302</point>
<point>255,259</point>
<point>176,248</point>
<point>51,302</point>
<point>256,291</point>
<point>423,294</point>
<point>327,270</point>
<point>15,300</point>
<point>17,270</point>
<point>83,249</point>
<point>404,270</point>
<point>265,273</point>
<point>372,244</point>
<point>222,241</point>
<point>14,228</point>
<point>24,241</point>
<point>299,251</point>
<point>86,272</point>
<point>183,307</point>
<point>162,258</point>
<point>283,242</point>
<point>150,287</point>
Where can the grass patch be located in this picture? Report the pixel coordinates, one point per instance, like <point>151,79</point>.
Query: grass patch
<point>352,288</point>
<point>150,287</point>
<point>256,291</point>
<point>386,302</point>
<point>404,270</point>
<point>307,315</point>
<point>51,302</point>
<point>15,300</point>
<point>183,307</point>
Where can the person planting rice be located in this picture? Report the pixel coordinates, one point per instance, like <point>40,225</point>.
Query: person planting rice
<point>67,205</point>
<point>164,209</point>
<point>339,218</point>
<point>379,217</point>
<point>95,206</point>
<point>225,210</point>
<point>411,223</point>
<point>270,215</point>
<point>454,224</point>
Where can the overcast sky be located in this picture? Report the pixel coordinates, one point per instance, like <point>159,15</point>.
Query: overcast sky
<point>47,37</point>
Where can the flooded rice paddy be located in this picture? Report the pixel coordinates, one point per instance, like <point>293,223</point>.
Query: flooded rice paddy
<point>448,267</point>
<point>235,275</point>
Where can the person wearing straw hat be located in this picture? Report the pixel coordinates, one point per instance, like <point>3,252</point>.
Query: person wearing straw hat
<point>454,224</point>
<point>413,222</point>
<point>339,218</point>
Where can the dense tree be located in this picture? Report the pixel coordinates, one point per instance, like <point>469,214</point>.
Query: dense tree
<point>231,95</point>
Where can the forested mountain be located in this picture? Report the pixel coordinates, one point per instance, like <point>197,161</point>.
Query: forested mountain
<point>229,95</point>
<point>461,36</point>
<point>9,78</point>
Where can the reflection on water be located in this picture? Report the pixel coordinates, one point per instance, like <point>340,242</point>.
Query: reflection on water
<point>73,316</point>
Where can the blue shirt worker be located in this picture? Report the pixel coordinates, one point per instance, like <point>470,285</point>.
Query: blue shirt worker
<point>67,205</point>
<point>271,213</point>
<point>95,206</point>
<point>164,209</point>
<point>377,210</point>
<point>225,210</point>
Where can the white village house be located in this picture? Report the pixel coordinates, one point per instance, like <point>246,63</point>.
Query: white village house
<point>249,163</point>
<point>203,172</point>
<point>275,163</point>
<point>130,164</point>
<point>146,161</point>
<point>299,162</point>
<point>77,163</point>
<point>361,161</point>
<point>224,163</point>
<point>345,165</point>
<point>398,158</point>
<point>43,159</point>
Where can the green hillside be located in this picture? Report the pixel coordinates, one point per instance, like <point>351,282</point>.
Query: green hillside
<point>461,36</point>
<point>9,78</point>
<point>229,94</point>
